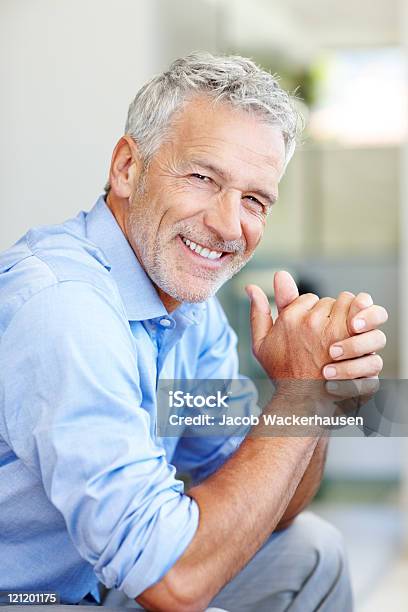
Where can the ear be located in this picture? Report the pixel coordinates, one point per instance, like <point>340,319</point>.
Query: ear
<point>126,167</point>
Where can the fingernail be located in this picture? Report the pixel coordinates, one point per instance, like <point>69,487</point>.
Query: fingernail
<point>359,324</point>
<point>330,372</point>
<point>336,351</point>
<point>332,386</point>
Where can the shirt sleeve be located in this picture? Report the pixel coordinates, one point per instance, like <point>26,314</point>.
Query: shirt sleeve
<point>202,455</point>
<point>74,414</point>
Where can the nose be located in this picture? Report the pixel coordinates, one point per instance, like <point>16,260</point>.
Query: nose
<point>224,216</point>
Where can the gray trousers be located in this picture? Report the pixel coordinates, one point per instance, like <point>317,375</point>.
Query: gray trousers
<point>300,569</point>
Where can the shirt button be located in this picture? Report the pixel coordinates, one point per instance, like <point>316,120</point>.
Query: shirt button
<point>165,322</point>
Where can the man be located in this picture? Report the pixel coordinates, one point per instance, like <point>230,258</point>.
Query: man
<point>95,311</point>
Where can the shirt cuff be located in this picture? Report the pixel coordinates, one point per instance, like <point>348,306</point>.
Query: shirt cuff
<point>172,530</point>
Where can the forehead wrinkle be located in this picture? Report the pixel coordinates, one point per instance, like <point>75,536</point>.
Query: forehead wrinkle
<point>208,142</point>
<point>229,128</point>
<point>257,160</point>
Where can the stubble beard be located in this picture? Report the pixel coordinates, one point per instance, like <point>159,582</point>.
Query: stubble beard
<point>171,274</point>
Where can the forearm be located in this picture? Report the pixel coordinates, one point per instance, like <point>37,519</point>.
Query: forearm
<point>240,505</point>
<point>308,486</point>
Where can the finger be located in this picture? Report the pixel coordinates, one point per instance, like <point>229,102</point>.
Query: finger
<point>306,301</point>
<point>285,289</point>
<point>358,346</point>
<point>323,307</point>
<point>343,302</point>
<point>369,318</point>
<point>352,394</point>
<point>342,305</point>
<point>260,315</point>
<point>338,315</point>
<point>353,388</point>
<point>360,302</point>
<point>363,367</point>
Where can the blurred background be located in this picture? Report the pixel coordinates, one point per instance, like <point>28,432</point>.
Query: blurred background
<point>69,70</point>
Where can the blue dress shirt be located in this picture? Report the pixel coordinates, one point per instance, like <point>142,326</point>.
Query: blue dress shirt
<point>88,493</point>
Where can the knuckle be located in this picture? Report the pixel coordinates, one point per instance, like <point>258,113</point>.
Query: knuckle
<point>381,339</point>
<point>313,321</point>
<point>370,386</point>
<point>311,296</point>
<point>380,315</point>
<point>355,346</point>
<point>347,371</point>
<point>377,364</point>
<point>350,371</point>
<point>344,295</point>
<point>384,314</point>
<point>287,316</point>
<point>364,299</point>
<point>349,346</point>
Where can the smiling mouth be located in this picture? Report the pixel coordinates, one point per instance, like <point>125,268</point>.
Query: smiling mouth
<point>202,250</point>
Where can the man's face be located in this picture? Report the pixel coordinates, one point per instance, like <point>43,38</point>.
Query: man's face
<point>200,209</point>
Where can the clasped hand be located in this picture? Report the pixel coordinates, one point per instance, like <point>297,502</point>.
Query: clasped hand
<point>314,338</point>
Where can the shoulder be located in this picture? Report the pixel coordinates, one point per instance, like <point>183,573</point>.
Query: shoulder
<point>55,263</point>
<point>67,253</point>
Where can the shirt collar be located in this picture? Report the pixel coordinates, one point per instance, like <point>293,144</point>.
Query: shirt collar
<point>139,296</point>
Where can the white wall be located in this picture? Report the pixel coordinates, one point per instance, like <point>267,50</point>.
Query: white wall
<point>69,69</point>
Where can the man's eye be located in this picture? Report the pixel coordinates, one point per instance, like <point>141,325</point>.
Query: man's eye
<point>255,201</point>
<point>201,177</point>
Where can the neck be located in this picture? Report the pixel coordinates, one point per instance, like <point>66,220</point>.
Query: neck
<point>170,303</point>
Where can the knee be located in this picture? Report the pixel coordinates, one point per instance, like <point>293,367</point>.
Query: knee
<point>325,544</point>
<point>325,582</point>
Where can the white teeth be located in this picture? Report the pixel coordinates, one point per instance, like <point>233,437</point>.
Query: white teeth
<point>203,251</point>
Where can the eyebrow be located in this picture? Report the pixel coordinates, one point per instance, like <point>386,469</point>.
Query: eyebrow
<point>269,197</point>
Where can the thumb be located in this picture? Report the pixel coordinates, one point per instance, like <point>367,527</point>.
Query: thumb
<point>260,315</point>
<point>286,290</point>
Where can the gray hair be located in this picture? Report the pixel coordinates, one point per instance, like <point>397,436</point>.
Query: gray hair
<point>232,79</point>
